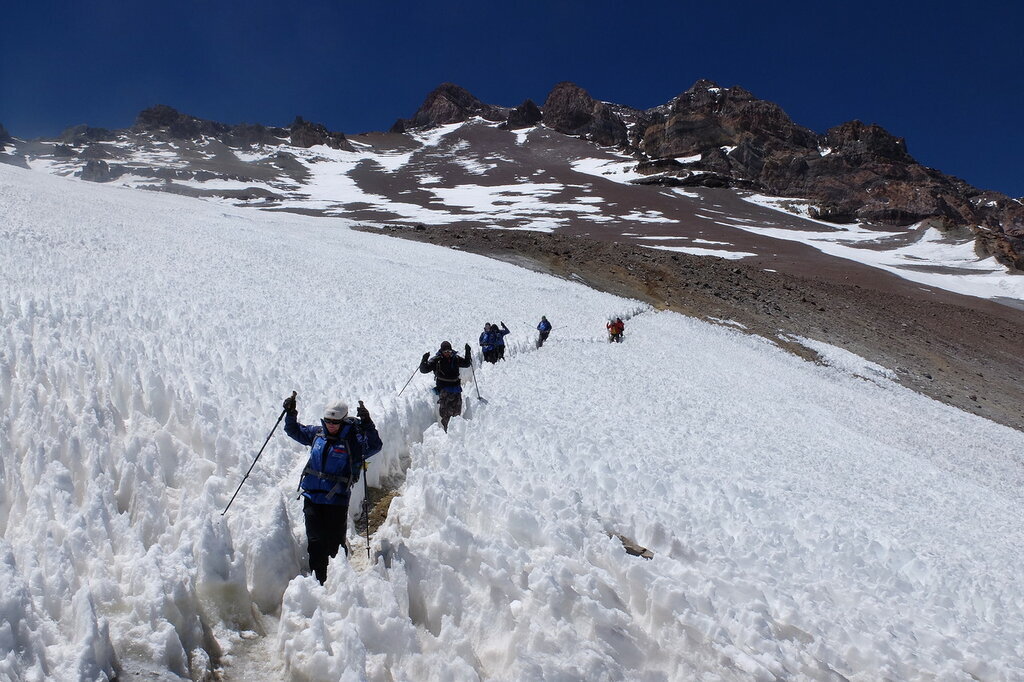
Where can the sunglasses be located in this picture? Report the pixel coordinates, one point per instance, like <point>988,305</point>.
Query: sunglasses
<point>332,421</point>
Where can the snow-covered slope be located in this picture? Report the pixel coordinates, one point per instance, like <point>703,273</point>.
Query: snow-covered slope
<point>806,521</point>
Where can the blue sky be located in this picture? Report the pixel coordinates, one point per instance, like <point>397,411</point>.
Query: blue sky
<point>946,76</point>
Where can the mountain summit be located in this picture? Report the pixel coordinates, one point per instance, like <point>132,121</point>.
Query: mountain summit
<point>730,138</point>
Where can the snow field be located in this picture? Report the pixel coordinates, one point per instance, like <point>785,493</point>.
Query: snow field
<point>805,522</point>
<point>777,552</point>
<point>147,344</point>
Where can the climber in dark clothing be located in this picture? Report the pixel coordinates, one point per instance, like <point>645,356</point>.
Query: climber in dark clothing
<point>499,340</point>
<point>448,384</point>
<point>544,328</point>
<point>339,446</point>
<point>489,343</point>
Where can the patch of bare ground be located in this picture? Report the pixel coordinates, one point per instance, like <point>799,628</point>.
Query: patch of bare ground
<point>380,502</point>
<point>958,350</point>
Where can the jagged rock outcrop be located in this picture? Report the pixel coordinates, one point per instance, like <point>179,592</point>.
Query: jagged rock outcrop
<point>94,151</point>
<point>253,134</point>
<point>99,171</point>
<point>526,115</point>
<point>168,123</point>
<point>571,110</point>
<point>306,134</point>
<point>449,103</point>
<point>83,134</point>
<point>708,117</point>
<point>854,172</point>
<point>4,137</point>
<point>856,140</point>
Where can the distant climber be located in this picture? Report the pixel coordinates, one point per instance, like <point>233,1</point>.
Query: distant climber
<point>489,343</point>
<point>616,329</point>
<point>448,384</point>
<point>338,447</point>
<point>544,328</point>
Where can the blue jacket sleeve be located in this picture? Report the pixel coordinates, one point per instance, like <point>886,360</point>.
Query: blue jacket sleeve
<point>369,441</point>
<point>297,431</point>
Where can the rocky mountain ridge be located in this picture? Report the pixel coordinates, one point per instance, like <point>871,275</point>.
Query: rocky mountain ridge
<point>712,136</point>
<point>708,136</point>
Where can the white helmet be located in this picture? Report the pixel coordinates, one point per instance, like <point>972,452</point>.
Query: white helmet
<point>336,410</point>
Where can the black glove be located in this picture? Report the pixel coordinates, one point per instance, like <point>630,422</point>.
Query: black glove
<point>289,404</point>
<point>426,357</point>
<point>469,351</point>
<point>364,414</point>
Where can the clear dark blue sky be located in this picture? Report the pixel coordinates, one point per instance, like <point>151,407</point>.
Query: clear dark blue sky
<point>947,76</point>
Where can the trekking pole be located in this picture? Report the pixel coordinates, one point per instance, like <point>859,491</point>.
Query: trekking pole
<point>477,385</point>
<point>366,507</point>
<point>256,460</point>
<point>409,381</point>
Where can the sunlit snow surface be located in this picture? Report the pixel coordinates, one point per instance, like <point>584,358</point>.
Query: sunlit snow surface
<point>805,523</point>
<point>931,259</point>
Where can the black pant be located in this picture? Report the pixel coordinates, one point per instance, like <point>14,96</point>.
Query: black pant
<point>326,525</point>
<point>543,338</point>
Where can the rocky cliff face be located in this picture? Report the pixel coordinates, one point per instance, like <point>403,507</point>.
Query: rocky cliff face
<point>571,110</point>
<point>305,134</point>
<point>707,117</point>
<point>854,172</point>
<point>449,103</point>
<point>526,115</point>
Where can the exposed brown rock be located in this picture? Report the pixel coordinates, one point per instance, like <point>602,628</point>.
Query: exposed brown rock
<point>83,134</point>
<point>708,117</point>
<point>449,103</point>
<point>854,140</point>
<point>305,134</point>
<point>168,122</point>
<point>854,172</point>
<point>526,115</point>
<point>569,109</point>
<point>98,171</point>
<point>94,152</point>
<point>254,134</point>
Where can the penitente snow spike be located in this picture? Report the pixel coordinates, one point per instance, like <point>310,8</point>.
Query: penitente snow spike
<point>366,497</point>
<point>257,458</point>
